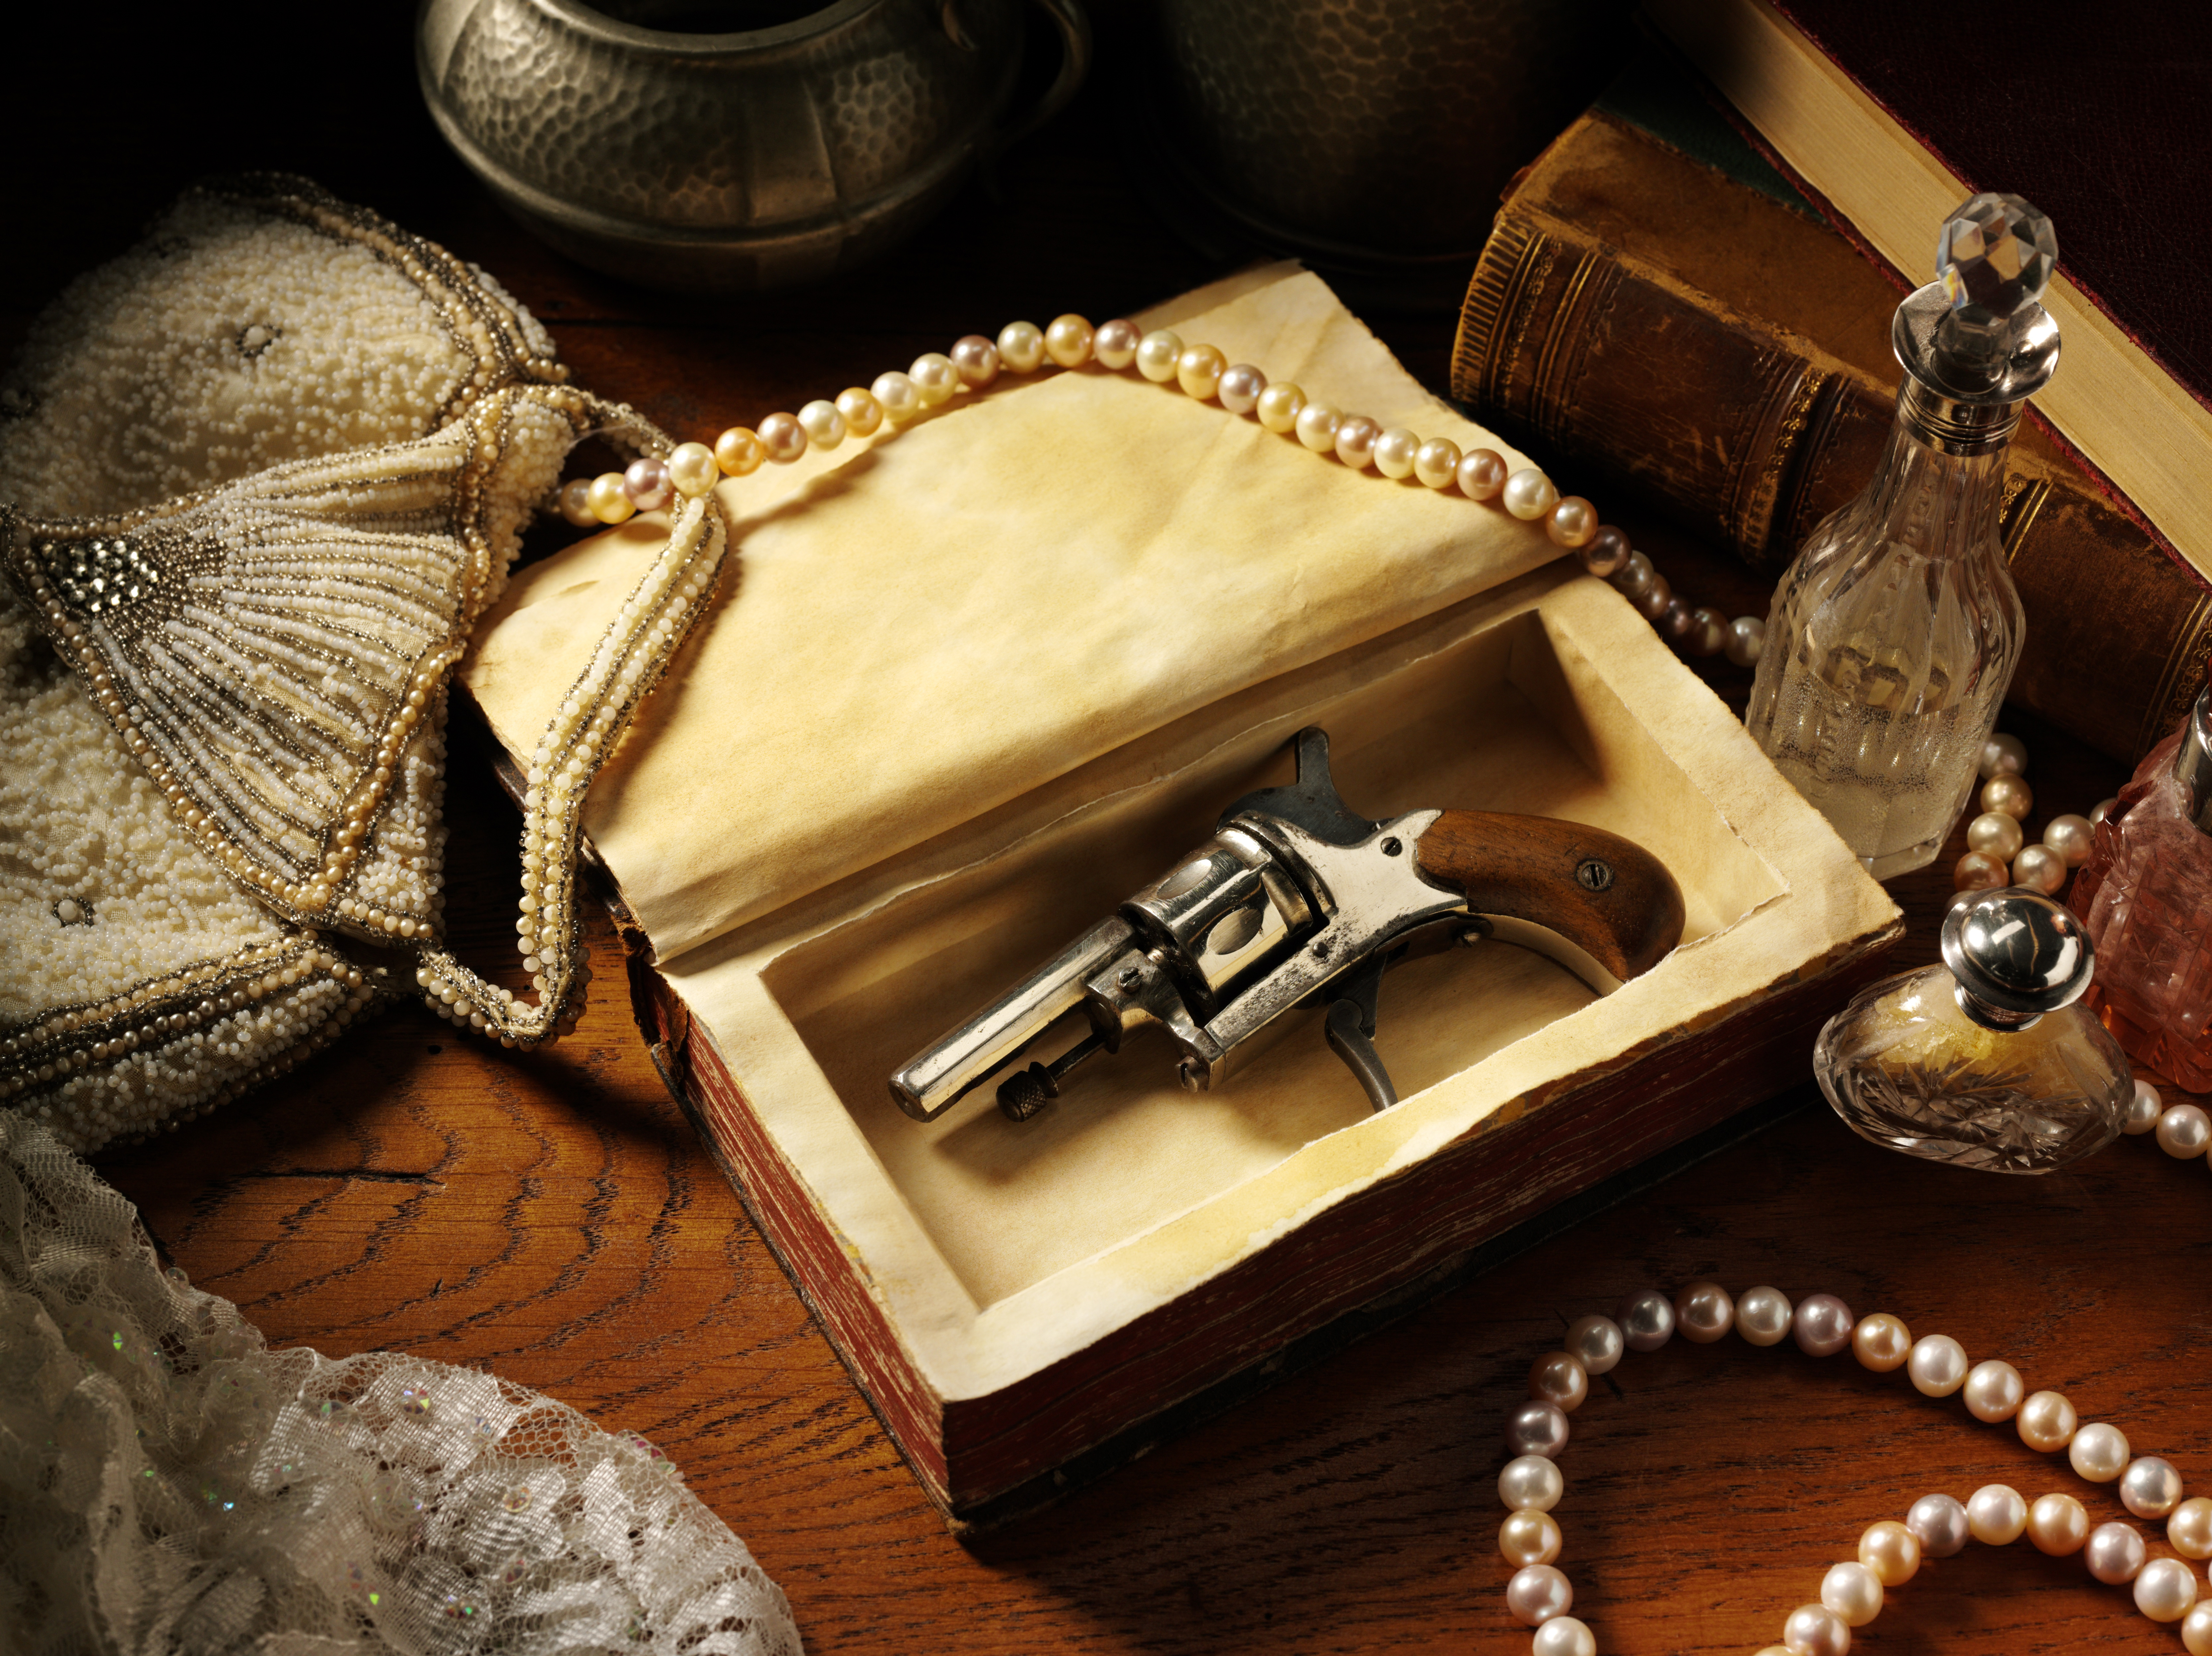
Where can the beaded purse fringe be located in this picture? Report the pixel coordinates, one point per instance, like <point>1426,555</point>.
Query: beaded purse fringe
<point>269,647</point>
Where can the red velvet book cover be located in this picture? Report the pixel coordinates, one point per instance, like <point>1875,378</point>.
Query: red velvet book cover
<point>2096,114</point>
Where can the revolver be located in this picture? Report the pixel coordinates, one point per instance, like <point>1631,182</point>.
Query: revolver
<point>1297,902</point>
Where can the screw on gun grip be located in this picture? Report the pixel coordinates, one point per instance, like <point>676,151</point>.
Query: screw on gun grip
<point>1023,1094</point>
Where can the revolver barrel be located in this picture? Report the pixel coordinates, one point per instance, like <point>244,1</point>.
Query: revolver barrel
<point>930,1083</point>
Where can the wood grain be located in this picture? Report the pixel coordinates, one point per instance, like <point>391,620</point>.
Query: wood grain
<point>997,1456</point>
<point>1531,868</point>
<point>552,1217</point>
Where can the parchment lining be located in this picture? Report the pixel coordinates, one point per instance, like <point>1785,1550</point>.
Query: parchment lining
<point>772,742</point>
<point>1494,724</point>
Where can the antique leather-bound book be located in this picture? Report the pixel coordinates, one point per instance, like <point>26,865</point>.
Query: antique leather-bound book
<point>1694,339</point>
<point>1889,114</point>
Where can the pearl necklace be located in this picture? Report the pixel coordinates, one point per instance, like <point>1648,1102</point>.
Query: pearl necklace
<point>1201,372</point>
<point>1890,1552</point>
<point>1995,837</point>
<point>689,471</point>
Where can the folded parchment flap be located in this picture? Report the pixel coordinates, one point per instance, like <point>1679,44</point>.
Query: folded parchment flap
<point>922,627</point>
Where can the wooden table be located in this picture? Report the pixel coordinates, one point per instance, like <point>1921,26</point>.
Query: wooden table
<point>551,1218</point>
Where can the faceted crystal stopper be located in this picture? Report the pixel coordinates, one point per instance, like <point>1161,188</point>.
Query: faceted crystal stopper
<point>2017,954</point>
<point>1994,257</point>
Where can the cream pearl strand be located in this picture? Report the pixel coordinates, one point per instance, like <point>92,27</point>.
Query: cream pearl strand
<point>1202,371</point>
<point>594,714</point>
<point>1890,1552</point>
<point>1995,837</point>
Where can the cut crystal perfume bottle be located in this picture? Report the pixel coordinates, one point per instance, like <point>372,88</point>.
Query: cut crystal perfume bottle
<point>2145,896</point>
<point>1895,632</point>
<point>1987,1060</point>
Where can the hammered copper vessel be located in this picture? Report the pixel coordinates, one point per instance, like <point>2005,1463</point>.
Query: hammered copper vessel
<point>735,146</point>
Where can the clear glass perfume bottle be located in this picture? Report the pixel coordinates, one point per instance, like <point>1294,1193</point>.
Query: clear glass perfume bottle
<point>2145,896</point>
<point>1988,1060</point>
<point>1895,632</point>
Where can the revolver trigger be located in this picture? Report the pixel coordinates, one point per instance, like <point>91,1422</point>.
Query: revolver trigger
<point>1349,1025</point>
<point>1350,1042</point>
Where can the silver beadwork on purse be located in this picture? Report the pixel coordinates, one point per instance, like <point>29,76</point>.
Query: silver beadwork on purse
<point>258,480</point>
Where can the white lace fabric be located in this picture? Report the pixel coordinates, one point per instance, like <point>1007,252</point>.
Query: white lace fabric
<point>168,1484</point>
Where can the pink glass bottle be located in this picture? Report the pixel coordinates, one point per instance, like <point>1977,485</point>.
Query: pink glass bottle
<point>2146,895</point>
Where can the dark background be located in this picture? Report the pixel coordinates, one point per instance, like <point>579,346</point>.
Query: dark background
<point>115,110</point>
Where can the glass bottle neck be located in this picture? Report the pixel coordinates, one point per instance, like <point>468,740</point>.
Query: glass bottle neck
<point>1941,505</point>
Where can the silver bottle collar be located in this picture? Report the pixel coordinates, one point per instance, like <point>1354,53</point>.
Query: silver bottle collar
<point>1964,385</point>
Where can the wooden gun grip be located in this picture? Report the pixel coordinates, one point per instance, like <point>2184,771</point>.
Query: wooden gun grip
<point>1608,895</point>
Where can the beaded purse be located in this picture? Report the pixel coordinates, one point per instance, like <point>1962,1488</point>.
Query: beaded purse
<point>258,479</point>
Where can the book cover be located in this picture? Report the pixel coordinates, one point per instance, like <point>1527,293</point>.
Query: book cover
<point>1889,122</point>
<point>1727,359</point>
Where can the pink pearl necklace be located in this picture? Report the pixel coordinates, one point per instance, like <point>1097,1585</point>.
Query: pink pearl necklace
<point>1890,1552</point>
<point>1199,371</point>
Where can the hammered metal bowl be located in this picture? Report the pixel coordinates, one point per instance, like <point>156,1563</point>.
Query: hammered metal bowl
<point>780,151</point>
<point>1376,129</point>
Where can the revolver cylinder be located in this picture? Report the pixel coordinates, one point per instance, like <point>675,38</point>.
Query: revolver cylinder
<point>1168,957</point>
<point>1227,909</point>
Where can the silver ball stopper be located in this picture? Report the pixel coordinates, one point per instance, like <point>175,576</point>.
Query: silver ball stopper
<point>2017,954</point>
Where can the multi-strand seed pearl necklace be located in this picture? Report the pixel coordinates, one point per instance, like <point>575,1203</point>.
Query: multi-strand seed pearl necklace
<point>591,720</point>
<point>1539,1595</point>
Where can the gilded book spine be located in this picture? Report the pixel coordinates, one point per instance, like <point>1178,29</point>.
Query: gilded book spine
<point>1749,435</point>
